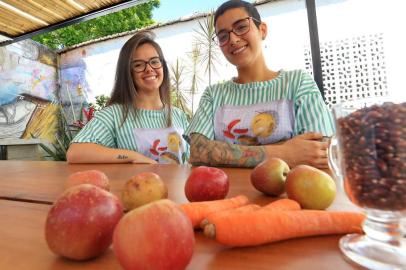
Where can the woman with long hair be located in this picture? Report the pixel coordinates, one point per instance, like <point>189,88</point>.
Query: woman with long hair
<point>138,125</point>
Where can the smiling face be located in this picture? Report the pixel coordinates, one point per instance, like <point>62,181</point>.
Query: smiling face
<point>150,79</point>
<point>245,50</point>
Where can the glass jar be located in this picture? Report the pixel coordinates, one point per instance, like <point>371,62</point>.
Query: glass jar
<point>368,154</point>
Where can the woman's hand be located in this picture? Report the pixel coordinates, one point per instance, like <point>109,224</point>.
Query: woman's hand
<point>306,149</point>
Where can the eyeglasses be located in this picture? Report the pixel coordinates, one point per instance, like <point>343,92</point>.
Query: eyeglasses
<point>141,65</point>
<point>239,28</point>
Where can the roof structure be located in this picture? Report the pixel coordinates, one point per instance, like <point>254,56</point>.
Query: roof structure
<point>23,19</point>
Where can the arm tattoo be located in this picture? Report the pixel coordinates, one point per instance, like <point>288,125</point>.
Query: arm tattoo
<point>216,153</point>
<point>122,157</point>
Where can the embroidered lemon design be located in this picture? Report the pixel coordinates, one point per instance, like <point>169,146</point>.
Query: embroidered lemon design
<point>174,142</point>
<point>263,124</point>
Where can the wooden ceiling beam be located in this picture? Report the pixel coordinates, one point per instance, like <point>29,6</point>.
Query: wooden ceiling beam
<point>77,6</point>
<point>97,4</point>
<point>10,11</point>
<point>74,9</point>
<point>61,9</point>
<point>10,29</point>
<point>93,5</point>
<point>45,9</point>
<point>23,23</point>
<point>37,12</point>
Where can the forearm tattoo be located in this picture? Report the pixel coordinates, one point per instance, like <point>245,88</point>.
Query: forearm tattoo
<point>216,153</point>
<point>122,157</point>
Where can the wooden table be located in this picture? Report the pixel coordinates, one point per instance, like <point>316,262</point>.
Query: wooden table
<point>28,188</point>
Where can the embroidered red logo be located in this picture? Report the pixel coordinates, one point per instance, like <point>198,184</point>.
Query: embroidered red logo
<point>229,132</point>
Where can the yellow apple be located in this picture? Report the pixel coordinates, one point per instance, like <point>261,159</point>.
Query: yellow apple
<point>310,187</point>
<point>143,188</point>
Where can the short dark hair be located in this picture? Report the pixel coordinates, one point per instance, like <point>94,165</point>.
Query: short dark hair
<point>231,4</point>
<point>124,91</point>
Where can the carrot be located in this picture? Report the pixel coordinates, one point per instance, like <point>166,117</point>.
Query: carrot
<point>282,205</point>
<point>210,218</point>
<point>278,205</point>
<point>197,211</point>
<point>263,226</point>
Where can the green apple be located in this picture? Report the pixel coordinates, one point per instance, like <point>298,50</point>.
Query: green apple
<point>310,187</point>
<point>269,176</point>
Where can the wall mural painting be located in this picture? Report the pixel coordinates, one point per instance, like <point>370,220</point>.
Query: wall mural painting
<point>27,86</point>
<point>89,71</point>
<point>74,84</point>
<point>14,117</point>
<point>75,91</point>
<point>44,120</point>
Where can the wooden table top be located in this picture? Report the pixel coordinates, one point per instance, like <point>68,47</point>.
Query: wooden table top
<point>22,223</point>
<point>42,181</point>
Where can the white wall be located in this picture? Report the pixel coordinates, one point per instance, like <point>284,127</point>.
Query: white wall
<point>351,18</point>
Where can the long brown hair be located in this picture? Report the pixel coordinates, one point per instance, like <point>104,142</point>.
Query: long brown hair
<point>124,91</point>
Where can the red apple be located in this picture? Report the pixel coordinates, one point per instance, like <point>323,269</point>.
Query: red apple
<point>143,188</point>
<point>269,176</point>
<point>81,222</point>
<point>206,184</point>
<point>155,236</point>
<point>93,177</point>
<point>310,187</point>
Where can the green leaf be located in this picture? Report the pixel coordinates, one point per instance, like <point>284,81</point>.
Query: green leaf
<point>62,148</point>
<point>210,52</point>
<point>49,151</point>
<point>65,127</point>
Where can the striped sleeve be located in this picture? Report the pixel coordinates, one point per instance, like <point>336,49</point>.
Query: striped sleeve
<point>183,120</point>
<point>99,130</point>
<point>312,114</point>
<point>202,121</point>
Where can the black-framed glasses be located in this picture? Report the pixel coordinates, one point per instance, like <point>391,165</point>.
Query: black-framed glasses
<point>239,28</point>
<point>141,65</point>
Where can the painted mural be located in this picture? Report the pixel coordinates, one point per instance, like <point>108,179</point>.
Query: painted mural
<point>28,77</point>
<point>87,72</point>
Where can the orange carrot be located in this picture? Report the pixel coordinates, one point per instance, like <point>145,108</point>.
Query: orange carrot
<point>197,211</point>
<point>282,205</point>
<point>263,226</point>
<point>213,216</point>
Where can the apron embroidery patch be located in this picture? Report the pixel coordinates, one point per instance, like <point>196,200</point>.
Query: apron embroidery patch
<point>257,124</point>
<point>164,145</point>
